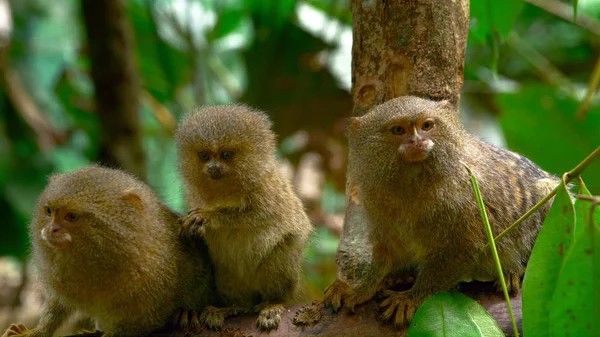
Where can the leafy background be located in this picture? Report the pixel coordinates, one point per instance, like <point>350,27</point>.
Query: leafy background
<point>526,72</point>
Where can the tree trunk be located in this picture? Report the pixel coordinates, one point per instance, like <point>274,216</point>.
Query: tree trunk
<point>407,47</point>
<point>110,45</point>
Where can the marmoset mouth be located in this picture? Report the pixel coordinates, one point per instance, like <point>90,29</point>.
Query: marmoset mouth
<point>60,239</point>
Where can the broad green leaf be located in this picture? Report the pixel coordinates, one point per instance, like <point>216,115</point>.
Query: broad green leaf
<point>575,307</point>
<point>539,284</point>
<point>489,16</point>
<point>452,314</point>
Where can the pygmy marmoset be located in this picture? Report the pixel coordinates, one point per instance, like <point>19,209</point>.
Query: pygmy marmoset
<point>106,246</point>
<point>406,166</point>
<point>254,225</point>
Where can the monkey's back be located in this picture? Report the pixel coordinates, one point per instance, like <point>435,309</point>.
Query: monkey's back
<point>510,185</point>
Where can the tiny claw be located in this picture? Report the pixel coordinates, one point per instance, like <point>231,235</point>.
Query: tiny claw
<point>335,294</point>
<point>194,320</point>
<point>513,284</point>
<point>213,317</point>
<point>184,322</point>
<point>401,306</point>
<point>269,317</point>
<point>15,330</point>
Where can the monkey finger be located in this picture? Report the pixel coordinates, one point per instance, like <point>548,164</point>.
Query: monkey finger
<point>194,320</point>
<point>184,322</point>
<point>388,293</point>
<point>410,313</point>
<point>15,330</point>
<point>389,312</point>
<point>213,317</point>
<point>335,302</point>
<point>400,319</point>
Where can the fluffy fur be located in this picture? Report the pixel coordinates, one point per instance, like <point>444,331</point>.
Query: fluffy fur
<point>254,224</point>
<point>423,215</point>
<point>125,267</point>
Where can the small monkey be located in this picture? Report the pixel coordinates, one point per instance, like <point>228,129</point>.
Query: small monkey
<point>254,225</point>
<point>107,247</point>
<point>406,161</point>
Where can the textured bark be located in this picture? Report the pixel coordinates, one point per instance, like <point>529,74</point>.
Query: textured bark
<point>407,47</point>
<point>110,45</point>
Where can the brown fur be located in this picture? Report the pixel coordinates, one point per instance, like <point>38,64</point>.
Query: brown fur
<point>125,267</point>
<point>254,224</point>
<point>423,214</point>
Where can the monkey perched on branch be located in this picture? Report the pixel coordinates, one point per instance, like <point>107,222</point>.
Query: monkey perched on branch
<point>406,167</point>
<point>106,246</point>
<point>253,223</point>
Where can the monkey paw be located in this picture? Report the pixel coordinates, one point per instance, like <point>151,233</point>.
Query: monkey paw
<point>21,331</point>
<point>336,293</point>
<point>191,224</point>
<point>513,284</point>
<point>359,295</point>
<point>187,319</point>
<point>400,306</point>
<point>269,316</point>
<point>214,317</point>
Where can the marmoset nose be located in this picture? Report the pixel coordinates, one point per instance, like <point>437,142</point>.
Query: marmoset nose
<point>215,171</point>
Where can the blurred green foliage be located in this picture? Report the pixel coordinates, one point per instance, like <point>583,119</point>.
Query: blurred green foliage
<point>192,52</point>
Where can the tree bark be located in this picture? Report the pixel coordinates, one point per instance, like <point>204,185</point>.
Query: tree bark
<point>110,45</point>
<point>407,47</point>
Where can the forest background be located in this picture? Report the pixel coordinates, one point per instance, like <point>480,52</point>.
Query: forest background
<point>527,70</point>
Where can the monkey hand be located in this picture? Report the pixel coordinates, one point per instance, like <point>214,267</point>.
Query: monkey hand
<point>187,319</point>
<point>360,295</point>
<point>269,315</point>
<point>192,223</point>
<point>513,283</point>
<point>21,331</point>
<point>214,317</point>
<point>336,293</point>
<point>400,306</point>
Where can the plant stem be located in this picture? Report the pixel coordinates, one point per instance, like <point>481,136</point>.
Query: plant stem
<point>490,236</point>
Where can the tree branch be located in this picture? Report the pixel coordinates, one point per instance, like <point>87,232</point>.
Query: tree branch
<point>110,43</point>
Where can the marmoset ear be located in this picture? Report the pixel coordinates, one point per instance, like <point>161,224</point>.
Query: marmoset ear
<point>133,198</point>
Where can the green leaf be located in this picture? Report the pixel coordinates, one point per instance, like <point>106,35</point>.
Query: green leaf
<point>539,284</point>
<point>575,307</point>
<point>488,16</point>
<point>229,21</point>
<point>582,210</point>
<point>452,314</point>
<point>575,5</point>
